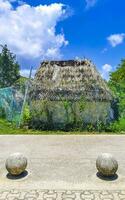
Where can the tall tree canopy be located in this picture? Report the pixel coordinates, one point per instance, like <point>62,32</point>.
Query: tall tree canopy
<point>9,68</point>
<point>119,75</point>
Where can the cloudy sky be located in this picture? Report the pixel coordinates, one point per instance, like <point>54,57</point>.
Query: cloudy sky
<point>64,29</point>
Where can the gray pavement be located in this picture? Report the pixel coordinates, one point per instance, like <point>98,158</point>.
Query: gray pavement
<point>62,165</point>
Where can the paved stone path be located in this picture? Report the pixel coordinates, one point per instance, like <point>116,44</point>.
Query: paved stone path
<point>61,195</point>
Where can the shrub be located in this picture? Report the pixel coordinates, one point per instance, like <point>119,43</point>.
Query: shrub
<point>26,115</point>
<point>118,126</point>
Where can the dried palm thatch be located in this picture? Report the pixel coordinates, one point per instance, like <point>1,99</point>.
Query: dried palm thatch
<point>70,79</point>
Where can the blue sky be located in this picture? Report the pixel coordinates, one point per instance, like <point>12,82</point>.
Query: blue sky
<point>64,29</point>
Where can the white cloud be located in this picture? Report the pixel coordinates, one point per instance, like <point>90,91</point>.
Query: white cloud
<point>116,39</point>
<point>5,5</point>
<point>31,31</point>
<point>26,72</point>
<point>106,69</point>
<point>90,3</point>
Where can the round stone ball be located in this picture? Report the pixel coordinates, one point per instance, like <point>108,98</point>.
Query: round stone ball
<point>16,164</point>
<point>106,165</point>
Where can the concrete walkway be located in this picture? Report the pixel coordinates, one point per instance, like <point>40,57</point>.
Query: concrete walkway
<point>62,167</point>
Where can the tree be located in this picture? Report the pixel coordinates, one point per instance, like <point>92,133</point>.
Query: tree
<point>119,75</point>
<point>9,68</point>
<point>117,84</point>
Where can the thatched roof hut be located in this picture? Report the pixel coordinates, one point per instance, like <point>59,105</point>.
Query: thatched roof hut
<point>70,79</point>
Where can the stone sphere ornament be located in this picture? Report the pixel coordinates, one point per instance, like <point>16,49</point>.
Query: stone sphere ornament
<point>16,164</point>
<point>106,165</point>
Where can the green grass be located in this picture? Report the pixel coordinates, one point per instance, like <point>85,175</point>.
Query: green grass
<point>7,128</point>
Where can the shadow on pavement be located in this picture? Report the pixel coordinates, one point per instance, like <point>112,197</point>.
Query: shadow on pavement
<point>21,176</point>
<point>111,178</point>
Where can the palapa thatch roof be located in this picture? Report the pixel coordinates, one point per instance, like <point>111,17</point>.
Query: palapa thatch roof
<point>70,79</point>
